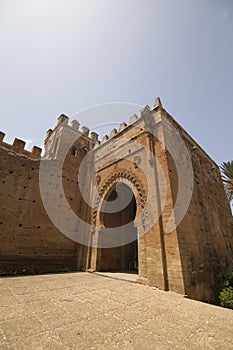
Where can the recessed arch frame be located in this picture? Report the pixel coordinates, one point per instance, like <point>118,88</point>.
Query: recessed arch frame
<point>127,177</point>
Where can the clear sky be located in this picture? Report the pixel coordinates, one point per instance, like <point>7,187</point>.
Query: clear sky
<point>62,56</point>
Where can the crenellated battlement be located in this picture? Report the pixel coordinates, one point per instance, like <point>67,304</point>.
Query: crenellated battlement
<point>63,120</point>
<point>133,119</point>
<point>63,129</point>
<point>18,147</point>
<point>74,126</point>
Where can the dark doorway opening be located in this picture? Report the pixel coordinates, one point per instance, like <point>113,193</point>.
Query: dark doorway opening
<point>123,258</point>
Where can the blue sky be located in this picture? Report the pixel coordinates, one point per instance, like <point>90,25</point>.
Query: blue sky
<point>62,56</point>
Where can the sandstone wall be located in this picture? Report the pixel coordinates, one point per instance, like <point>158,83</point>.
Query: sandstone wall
<point>28,239</point>
<point>205,235</point>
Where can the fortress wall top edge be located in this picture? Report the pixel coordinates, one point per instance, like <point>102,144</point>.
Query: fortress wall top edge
<point>18,147</point>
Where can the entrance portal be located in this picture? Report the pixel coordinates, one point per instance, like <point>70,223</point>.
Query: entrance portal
<point>125,257</point>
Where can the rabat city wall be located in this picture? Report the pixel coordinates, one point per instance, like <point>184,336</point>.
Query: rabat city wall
<point>192,259</point>
<point>29,241</point>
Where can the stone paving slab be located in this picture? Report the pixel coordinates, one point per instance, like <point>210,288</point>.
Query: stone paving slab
<point>90,311</point>
<point>130,277</point>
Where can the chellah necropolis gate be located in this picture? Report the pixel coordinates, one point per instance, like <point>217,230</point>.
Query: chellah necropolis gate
<point>147,199</point>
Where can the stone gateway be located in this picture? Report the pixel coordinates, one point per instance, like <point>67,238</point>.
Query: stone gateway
<point>146,199</point>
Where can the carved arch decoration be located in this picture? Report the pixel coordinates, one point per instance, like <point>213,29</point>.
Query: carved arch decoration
<point>119,175</point>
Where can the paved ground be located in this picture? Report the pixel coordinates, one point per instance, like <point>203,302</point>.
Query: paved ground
<point>131,277</point>
<point>87,311</point>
